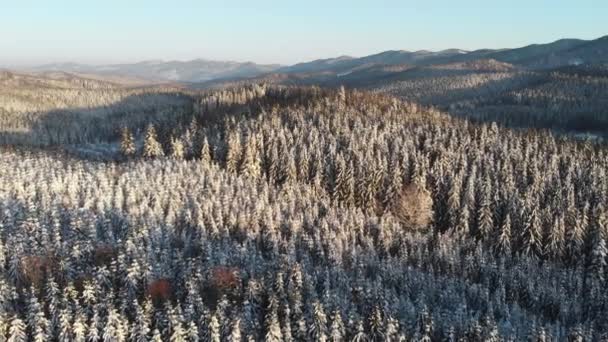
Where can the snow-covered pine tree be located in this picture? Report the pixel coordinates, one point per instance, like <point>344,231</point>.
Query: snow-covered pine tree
<point>127,143</point>
<point>152,148</point>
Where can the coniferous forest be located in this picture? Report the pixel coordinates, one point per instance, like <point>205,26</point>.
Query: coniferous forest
<point>285,213</point>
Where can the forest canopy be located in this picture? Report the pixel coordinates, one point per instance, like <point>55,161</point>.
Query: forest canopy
<point>296,213</point>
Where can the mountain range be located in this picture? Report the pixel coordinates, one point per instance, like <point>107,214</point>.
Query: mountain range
<point>564,52</point>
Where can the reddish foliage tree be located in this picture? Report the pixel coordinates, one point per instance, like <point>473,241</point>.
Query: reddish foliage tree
<point>35,267</point>
<point>224,278</point>
<point>222,281</point>
<point>160,290</point>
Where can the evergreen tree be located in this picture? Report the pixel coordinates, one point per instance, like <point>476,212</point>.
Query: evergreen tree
<point>531,236</point>
<point>360,335</point>
<point>376,325</point>
<point>599,250</point>
<point>337,332</point>
<point>16,332</point>
<point>127,143</point>
<point>273,327</point>
<point>156,336</point>
<point>152,148</point>
<point>250,166</point>
<point>205,152</point>
<point>214,333</point>
<point>502,245</point>
<point>318,328</point>
<point>235,331</point>
<point>485,220</point>
<point>79,329</point>
<point>177,148</point>
<point>233,155</point>
<point>555,244</point>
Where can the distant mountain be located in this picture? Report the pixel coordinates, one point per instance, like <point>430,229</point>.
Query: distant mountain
<point>562,52</point>
<point>198,70</point>
<point>346,63</point>
<point>528,55</point>
<point>583,53</point>
<point>352,70</point>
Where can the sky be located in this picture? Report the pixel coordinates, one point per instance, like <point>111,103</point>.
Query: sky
<point>285,32</point>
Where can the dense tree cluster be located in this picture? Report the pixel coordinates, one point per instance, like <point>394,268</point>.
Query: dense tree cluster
<point>291,214</point>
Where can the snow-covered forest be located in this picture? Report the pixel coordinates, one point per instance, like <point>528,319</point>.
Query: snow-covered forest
<point>297,214</point>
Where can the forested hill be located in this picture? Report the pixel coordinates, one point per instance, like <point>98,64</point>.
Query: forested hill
<point>287,213</point>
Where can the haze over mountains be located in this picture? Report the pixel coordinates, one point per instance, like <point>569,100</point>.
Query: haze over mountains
<point>560,53</point>
<point>198,70</point>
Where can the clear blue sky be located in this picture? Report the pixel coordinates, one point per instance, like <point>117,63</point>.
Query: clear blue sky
<point>286,31</point>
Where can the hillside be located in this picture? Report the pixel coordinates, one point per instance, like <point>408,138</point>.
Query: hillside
<point>62,108</point>
<point>572,98</point>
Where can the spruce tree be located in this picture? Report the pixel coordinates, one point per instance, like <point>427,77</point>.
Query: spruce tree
<point>152,148</point>
<point>16,332</point>
<point>177,148</point>
<point>337,332</point>
<point>318,328</point>
<point>205,152</point>
<point>127,143</point>
<point>502,244</point>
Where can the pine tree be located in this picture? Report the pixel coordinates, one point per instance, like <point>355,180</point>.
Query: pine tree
<point>127,143</point>
<point>235,331</point>
<point>16,331</point>
<point>205,152</point>
<point>392,330</point>
<point>531,236</point>
<point>462,229</point>
<point>337,332</point>
<point>485,220</point>
<point>141,328</point>
<point>392,186</point>
<point>250,166</point>
<point>156,336</point>
<point>214,333</point>
<point>286,324</point>
<point>376,325</point>
<point>65,326</point>
<point>555,244</point>
<point>318,328</point>
<point>177,148</point>
<point>453,202</point>
<point>360,335</point>
<point>599,251</point>
<point>502,246</point>
<point>93,334</point>
<point>152,148</point>
<point>273,327</point>
<point>233,155</point>
<point>191,139</point>
<point>192,334</point>
<point>79,329</point>
<point>289,173</point>
<point>113,330</point>
<point>37,323</point>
